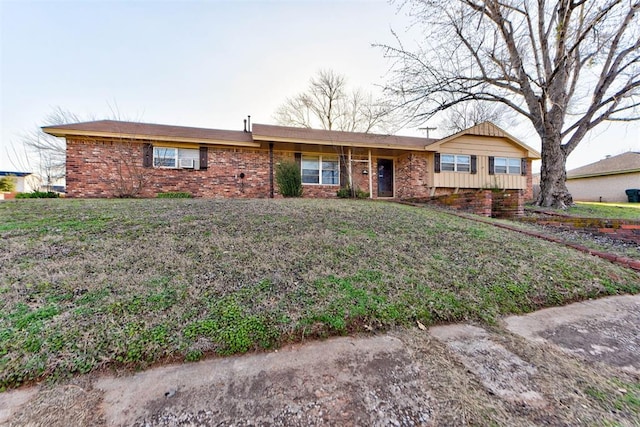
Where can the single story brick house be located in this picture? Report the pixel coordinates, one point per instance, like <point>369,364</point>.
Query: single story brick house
<point>605,180</point>
<point>114,159</point>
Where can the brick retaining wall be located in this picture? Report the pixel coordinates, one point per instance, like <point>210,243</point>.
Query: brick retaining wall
<point>489,203</point>
<point>620,229</point>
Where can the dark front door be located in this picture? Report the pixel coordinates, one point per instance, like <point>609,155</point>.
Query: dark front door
<point>385,178</point>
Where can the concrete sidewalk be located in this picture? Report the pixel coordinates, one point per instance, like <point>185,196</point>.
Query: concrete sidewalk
<point>573,365</point>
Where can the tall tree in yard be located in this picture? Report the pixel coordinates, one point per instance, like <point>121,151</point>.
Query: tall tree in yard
<point>566,66</point>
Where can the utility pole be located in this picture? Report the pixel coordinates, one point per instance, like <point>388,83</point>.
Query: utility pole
<point>427,129</point>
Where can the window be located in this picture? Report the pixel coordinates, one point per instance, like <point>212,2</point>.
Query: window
<point>320,170</point>
<point>164,157</point>
<point>455,163</point>
<point>507,165</point>
<point>168,157</point>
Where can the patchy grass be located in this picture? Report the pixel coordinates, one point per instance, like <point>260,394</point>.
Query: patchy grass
<point>90,284</point>
<point>602,210</point>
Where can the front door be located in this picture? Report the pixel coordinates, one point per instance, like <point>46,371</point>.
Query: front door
<point>385,178</point>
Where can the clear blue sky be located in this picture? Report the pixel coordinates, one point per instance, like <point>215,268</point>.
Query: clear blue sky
<point>199,63</point>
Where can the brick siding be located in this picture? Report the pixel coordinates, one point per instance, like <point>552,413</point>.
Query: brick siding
<point>411,176</point>
<point>100,168</point>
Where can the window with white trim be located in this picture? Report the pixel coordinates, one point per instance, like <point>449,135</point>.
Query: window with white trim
<point>455,163</point>
<point>170,157</point>
<point>165,157</point>
<point>507,165</point>
<point>323,170</point>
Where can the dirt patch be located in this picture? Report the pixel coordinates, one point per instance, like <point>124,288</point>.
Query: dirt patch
<point>74,404</point>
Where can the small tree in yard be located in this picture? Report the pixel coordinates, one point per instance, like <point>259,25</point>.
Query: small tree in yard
<point>7,184</point>
<point>289,179</point>
<point>565,65</point>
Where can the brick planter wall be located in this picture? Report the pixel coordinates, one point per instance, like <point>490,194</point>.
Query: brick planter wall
<point>507,204</point>
<point>624,230</point>
<point>478,202</point>
<point>498,204</point>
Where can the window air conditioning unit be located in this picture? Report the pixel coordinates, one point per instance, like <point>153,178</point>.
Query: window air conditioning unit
<point>186,163</point>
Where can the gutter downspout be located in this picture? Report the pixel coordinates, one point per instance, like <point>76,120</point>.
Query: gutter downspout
<point>271,170</point>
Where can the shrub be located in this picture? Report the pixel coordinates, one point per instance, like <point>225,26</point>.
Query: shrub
<point>174,195</point>
<point>346,193</point>
<point>7,184</point>
<point>289,179</point>
<point>38,195</point>
<point>362,194</point>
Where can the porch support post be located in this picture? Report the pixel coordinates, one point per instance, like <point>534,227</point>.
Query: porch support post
<point>350,172</point>
<point>271,170</point>
<point>370,176</point>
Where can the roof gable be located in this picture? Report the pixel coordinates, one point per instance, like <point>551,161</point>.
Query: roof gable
<point>622,163</point>
<point>490,130</point>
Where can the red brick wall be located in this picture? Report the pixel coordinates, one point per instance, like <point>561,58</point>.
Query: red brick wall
<point>96,168</point>
<point>497,204</point>
<point>477,202</point>
<point>412,176</point>
<point>507,204</point>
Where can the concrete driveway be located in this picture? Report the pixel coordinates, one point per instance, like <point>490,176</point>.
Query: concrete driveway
<point>573,365</point>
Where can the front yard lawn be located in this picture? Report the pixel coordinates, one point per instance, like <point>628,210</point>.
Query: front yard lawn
<point>89,284</point>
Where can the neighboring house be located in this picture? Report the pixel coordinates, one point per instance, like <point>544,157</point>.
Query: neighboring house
<point>605,180</point>
<point>108,158</point>
<point>23,180</point>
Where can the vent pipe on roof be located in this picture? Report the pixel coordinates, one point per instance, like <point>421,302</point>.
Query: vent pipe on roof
<point>245,124</point>
<point>248,123</point>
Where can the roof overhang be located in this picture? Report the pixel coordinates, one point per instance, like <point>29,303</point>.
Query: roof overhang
<point>309,141</point>
<point>64,133</point>
<point>595,175</point>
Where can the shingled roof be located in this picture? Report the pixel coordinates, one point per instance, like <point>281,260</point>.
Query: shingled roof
<point>628,162</point>
<point>269,133</point>
<point>332,137</point>
<point>133,130</point>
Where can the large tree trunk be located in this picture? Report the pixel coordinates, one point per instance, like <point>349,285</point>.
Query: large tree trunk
<point>553,174</point>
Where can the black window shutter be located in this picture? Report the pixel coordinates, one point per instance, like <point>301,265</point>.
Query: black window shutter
<point>204,157</point>
<point>523,166</point>
<point>436,163</point>
<point>474,164</point>
<point>492,165</point>
<point>147,155</point>
<point>299,159</point>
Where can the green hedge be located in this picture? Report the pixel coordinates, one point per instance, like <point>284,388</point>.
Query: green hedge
<point>174,195</point>
<point>38,195</point>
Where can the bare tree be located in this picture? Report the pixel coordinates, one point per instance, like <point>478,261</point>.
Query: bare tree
<point>43,154</point>
<point>564,65</point>
<point>465,115</point>
<point>328,104</point>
